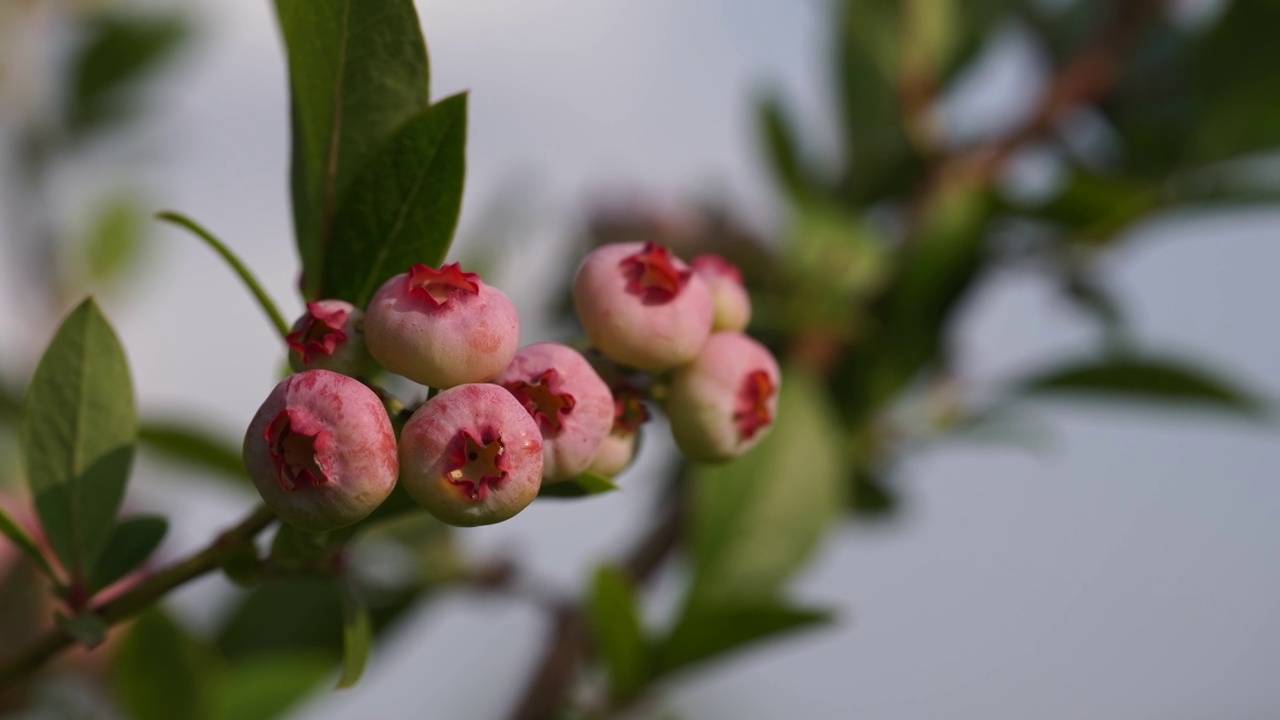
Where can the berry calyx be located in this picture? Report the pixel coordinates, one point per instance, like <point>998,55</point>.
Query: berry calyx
<point>328,337</point>
<point>441,327</point>
<point>725,401</point>
<point>641,306</point>
<point>568,400</point>
<point>321,451</point>
<point>653,276</point>
<point>471,455</point>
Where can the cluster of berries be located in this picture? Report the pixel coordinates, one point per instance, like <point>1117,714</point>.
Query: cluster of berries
<point>322,450</point>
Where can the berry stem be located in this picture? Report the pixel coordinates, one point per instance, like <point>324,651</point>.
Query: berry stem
<point>138,599</point>
<point>264,300</point>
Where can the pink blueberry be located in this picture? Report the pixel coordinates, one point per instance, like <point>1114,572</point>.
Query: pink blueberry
<point>642,306</point>
<point>328,336</point>
<point>472,455</point>
<point>321,451</point>
<point>441,327</point>
<point>571,404</point>
<point>619,446</point>
<point>728,295</point>
<point>725,401</point>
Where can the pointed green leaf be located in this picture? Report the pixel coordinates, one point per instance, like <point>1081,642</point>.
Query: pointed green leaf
<point>402,207</point>
<point>19,536</point>
<point>130,544</point>
<point>1155,380</point>
<point>116,240</point>
<point>614,614</point>
<point>706,632</point>
<point>88,629</point>
<point>357,72</point>
<point>267,686</point>
<point>759,518</point>
<point>357,638</point>
<point>782,146</point>
<point>118,50</point>
<point>587,484</point>
<point>77,436</point>
<point>159,671</point>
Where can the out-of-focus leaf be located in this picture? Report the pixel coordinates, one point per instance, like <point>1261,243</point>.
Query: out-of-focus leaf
<point>357,72</point>
<point>88,629</point>
<point>116,238</point>
<point>402,207</point>
<point>1094,208</point>
<point>78,433</point>
<point>782,147</point>
<point>936,272</point>
<point>19,536</point>
<point>1142,379</point>
<point>716,630</point>
<point>867,48</point>
<point>1236,83</point>
<point>357,638</point>
<point>188,444</point>
<point>159,674</point>
<point>131,543</point>
<point>266,687</point>
<point>834,261</point>
<point>869,497</point>
<point>614,614</point>
<point>585,485</point>
<point>759,518</point>
<point>118,51</point>
<point>300,614</point>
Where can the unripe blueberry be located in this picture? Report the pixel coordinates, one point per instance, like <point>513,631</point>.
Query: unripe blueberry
<point>321,451</point>
<point>441,327</point>
<point>328,337</point>
<point>642,306</point>
<point>472,455</point>
<point>619,446</point>
<point>566,397</point>
<point>725,401</point>
<point>728,295</point>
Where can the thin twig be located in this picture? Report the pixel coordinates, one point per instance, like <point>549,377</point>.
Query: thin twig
<point>1088,77</point>
<point>139,598</point>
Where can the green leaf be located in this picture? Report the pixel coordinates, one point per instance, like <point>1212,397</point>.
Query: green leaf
<point>758,519</point>
<point>288,615</point>
<point>130,544</point>
<point>782,146</point>
<point>158,671</point>
<point>870,498</point>
<point>1156,380</point>
<point>118,51</point>
<point>1236,83</point>
<point>707,632</point>
<point>266,687</point>
<point>402,207</point>
<point>614,614</point>
<point>19,536</point>
<point>357,638</point>
<point>585,485</point>
<point>867,69</point>
<point>935,273</point>
<point>115,241</point>
<point>77,436</point>
<point>192,445</point>
<point>357,72</point>
<point>88,629</point>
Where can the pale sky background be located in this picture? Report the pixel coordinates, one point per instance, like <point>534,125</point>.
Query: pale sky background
<point>1130,573</point>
